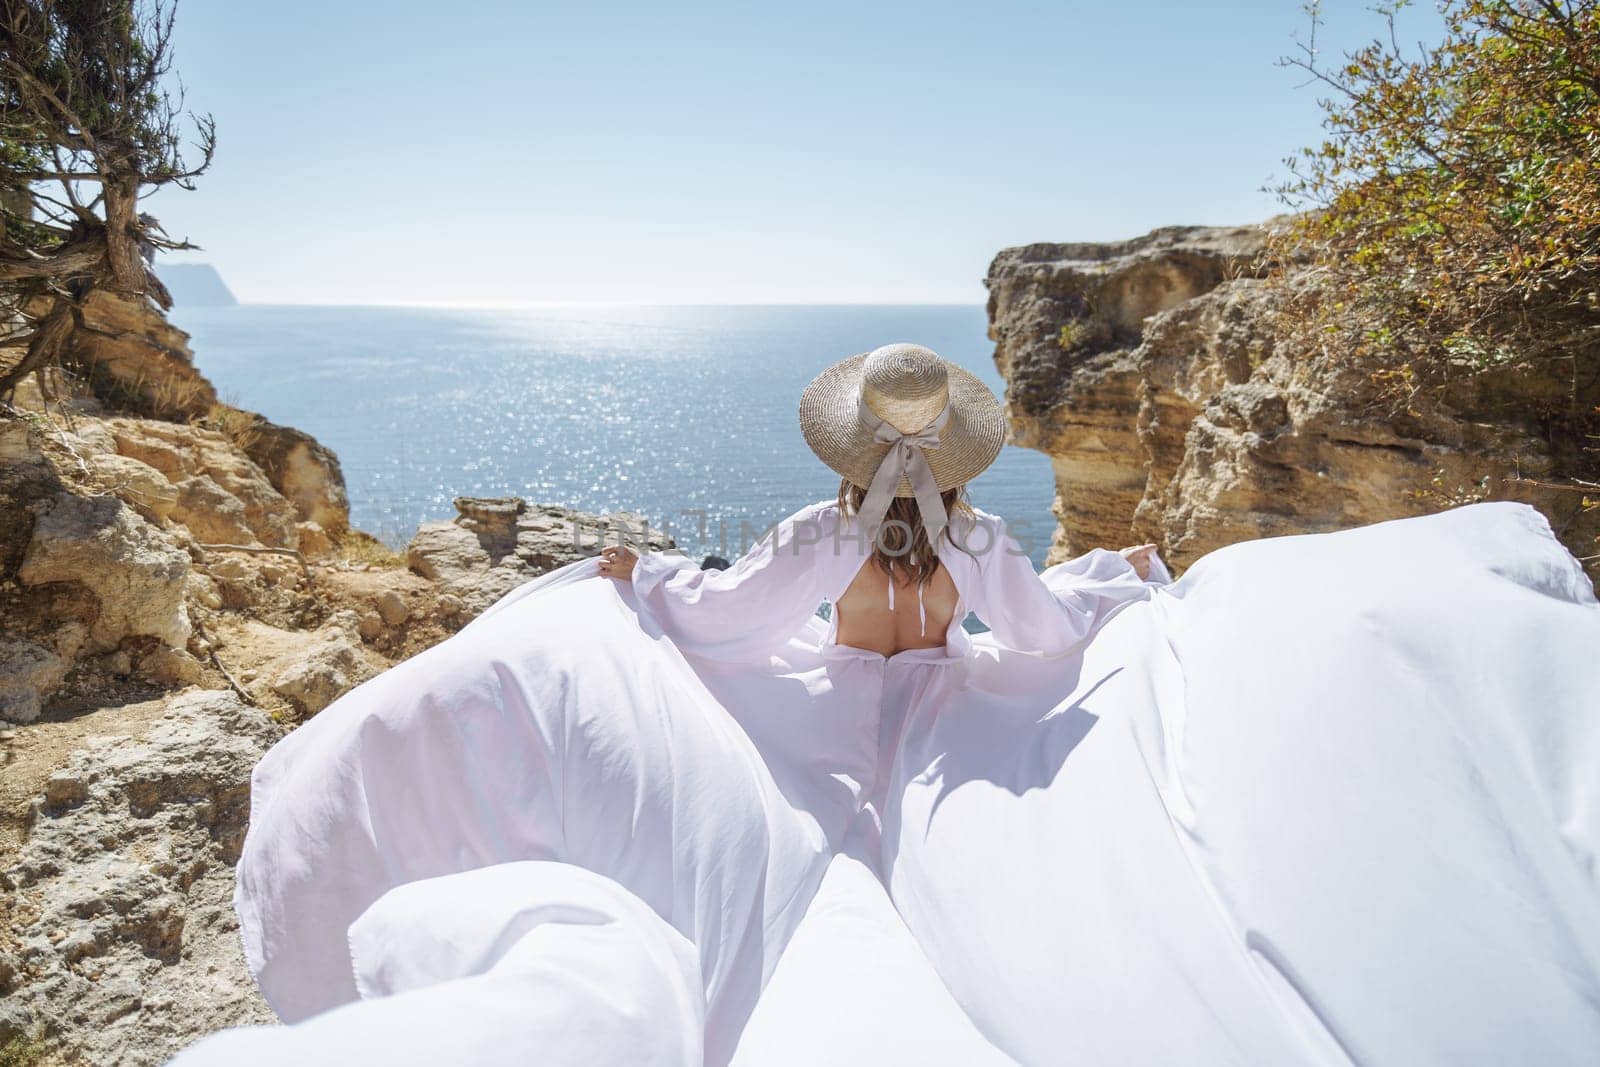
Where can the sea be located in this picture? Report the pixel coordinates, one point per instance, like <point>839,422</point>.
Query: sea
<point>685,415</point>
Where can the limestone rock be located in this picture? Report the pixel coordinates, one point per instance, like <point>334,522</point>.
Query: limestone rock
<point>322,674</point>
<point>173,667</point>
<point>29,673</point>
<point>212,514</point>
<point>392,607</point>
<point>314,540</point>
<point>26,479</point>
<point>268,515</point>
<point>140,440</point>
<point>91,437</point>
<point>448,553</point>
<point>66,394</point>
<point>495,544</point>
<point>346,621</point>
<point>135,482</point>
<point>306,472</point>
<point>202,590</point>
<point>132,352</point>
<point>126,945</point>
<point>226,567</point>
<point>184,453</point>
<point>69,638</point>
<point>491,517</point>
<point>136,575</point>
<point>1151,373</point>
<point>14,1020</point>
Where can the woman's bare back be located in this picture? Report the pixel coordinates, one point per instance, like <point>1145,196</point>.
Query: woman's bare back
<point>865,619</point>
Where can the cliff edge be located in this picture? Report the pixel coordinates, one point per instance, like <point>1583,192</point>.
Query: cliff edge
<point>1153,374</point>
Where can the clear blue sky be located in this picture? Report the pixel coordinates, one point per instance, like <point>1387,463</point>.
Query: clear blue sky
<point>518,153</point>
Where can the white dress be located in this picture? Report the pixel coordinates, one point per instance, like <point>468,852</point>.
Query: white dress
<point>1326,799</point>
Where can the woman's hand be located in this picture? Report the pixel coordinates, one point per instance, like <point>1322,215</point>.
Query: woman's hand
<point>1140,556</point>
<point>617,562</point>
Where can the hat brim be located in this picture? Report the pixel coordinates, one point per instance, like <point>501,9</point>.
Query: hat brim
<point>968,444</point>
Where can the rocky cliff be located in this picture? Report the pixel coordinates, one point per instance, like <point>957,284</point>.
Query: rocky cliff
<point>1153,374</point>
<point>178,586</point>
<point>120,943</point>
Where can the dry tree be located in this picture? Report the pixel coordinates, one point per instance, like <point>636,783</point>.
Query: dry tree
<point>88,127</point>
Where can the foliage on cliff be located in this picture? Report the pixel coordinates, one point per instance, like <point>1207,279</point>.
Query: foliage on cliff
<point>1454,211</point>
<point>87,127</point>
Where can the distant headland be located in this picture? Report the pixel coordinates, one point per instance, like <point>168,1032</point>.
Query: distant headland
<point>196,285</point>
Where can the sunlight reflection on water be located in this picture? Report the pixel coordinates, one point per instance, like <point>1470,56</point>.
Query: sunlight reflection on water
<point>650,409</point>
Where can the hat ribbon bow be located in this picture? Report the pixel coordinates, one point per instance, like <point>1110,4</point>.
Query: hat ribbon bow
<point>904,460</point>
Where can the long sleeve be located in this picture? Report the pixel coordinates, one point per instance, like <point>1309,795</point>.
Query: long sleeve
<point>1055,612</point>
<point>751,608</point>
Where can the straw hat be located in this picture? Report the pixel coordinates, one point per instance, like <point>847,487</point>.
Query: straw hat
<point>908,387</point>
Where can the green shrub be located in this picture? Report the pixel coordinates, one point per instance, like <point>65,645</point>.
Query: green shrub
<point>1453,207</point>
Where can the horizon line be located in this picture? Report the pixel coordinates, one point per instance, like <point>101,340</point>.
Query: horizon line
<point>547,304</point>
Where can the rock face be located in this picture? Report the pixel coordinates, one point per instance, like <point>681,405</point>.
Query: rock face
<point>122,945</point>
<point>135,356</point>
<point>222,494</point>
<point>136,575</point>
<point>303,470</point>
<point>1150,372</point>
<point>117,483</point>
<point>27,670</point>
<point>211,513</point>
<point>136,483</point>
<point>496,543</point>
<point>322,674</point>
<point>27,479</point>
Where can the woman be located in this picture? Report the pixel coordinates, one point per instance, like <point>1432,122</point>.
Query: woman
<point>676,817</point>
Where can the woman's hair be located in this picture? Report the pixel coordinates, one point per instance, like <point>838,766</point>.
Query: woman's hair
<point>901,549</point>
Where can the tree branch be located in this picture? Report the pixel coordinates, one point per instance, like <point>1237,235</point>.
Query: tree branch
<point>66,262</point>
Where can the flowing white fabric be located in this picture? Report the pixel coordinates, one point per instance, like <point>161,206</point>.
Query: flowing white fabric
<point>1327,799</point>
<point>854,985</point>
<point>493,965</point>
